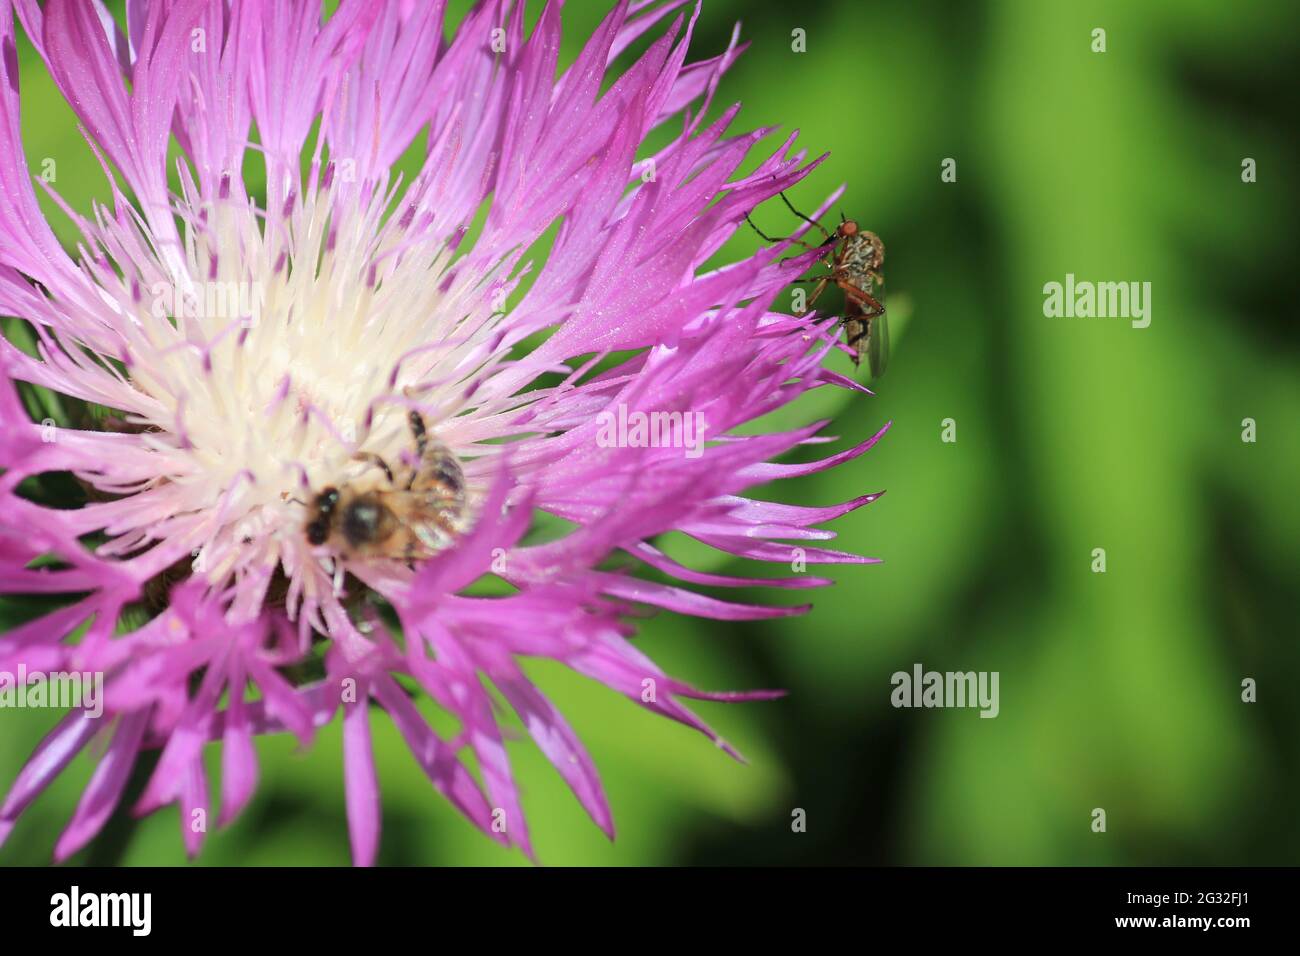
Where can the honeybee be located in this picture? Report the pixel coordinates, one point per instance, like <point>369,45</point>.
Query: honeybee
<point>412,514</point>
<point>854,258</point>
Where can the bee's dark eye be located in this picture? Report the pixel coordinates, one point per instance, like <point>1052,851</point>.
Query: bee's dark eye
<point>326,500</point>
<point>317,532</point>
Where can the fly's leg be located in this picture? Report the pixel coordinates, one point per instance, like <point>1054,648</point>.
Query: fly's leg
<point>819,289</point>
<point>873,328</point>
<point>761,234</point>
<point>861,297</point>
<point>830,236</point>
<point>766,238</point>
<point>808,219</point>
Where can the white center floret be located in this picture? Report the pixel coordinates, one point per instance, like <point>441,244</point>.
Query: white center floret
<point>283,351</point>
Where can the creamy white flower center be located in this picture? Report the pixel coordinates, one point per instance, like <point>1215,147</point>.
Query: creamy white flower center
<point>277,354</point>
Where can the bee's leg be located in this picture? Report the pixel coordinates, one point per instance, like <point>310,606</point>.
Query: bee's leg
<point>374,459</point>
<point>421,447</point>
<point>419,431</point>
<point>421,444</point>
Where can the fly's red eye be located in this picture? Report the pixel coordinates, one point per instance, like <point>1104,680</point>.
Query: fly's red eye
<point>848,228</point>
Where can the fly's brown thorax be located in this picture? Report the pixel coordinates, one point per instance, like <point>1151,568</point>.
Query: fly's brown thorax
<point>861,253</point>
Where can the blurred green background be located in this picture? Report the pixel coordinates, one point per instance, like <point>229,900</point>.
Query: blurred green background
<point>1120,690</point>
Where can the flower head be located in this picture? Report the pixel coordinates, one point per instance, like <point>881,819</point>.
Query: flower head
<point>309,419</point>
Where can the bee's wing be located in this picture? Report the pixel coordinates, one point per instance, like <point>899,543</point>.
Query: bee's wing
<point>439,471</point>
<point>433,516</point>
<point>433,536</point>
<point>433,507</point>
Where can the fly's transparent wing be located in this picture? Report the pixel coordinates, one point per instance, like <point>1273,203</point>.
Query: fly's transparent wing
<point>878,345</point>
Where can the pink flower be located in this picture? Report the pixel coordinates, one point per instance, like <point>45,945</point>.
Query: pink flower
<point>251,348</point>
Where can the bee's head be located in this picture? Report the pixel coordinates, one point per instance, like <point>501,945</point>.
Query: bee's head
<point>318,529</point>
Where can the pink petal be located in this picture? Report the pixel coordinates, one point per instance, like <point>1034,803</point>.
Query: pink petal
<point>360,784</point>
<point>105,787</point>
